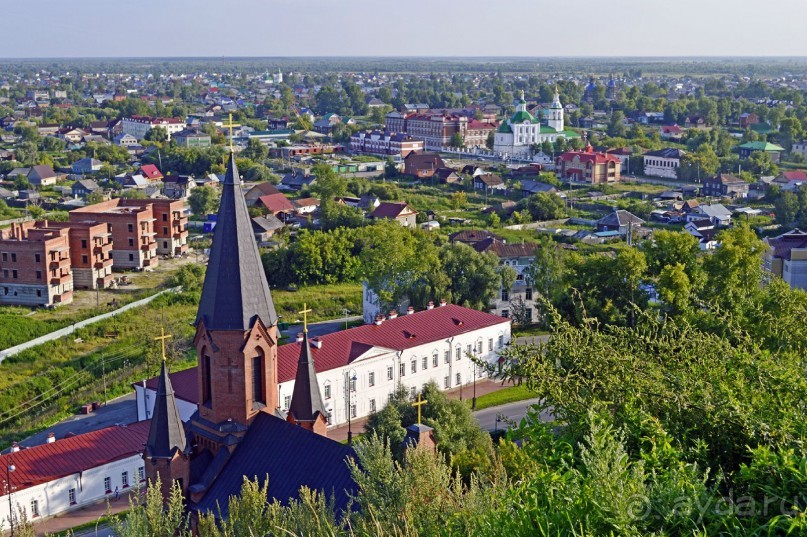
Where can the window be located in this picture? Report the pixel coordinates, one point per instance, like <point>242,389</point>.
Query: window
<point>131,242</point>
<point>14,274</point>
<point>425,363</point>
<point>528,294</point>
<point>131,257</point>
<point>402,370</point>
<point>458,353</point>
<point>165,217</point>
<point>353,384</point>
<point>130,227</point>
<point>434,360</point>
<point>412,392</point>
<point>108,484</point>
<point>207,391</point>
<point>459,379</point>
<point>447,357</point>
<point>257,379</point>
<point>83,243</point>
<point>287,402</point>
<point>501,340</point>
<point>165,230</point>
<point>34,508</point>
<point>490,344</point>
<point>13,257</point>
<point>71,496</point>
<point>389,373</point>
<point>37,258</point>
<point>371,378</point>
<point>327,391</point>
<point>141,473</point>
<point>5,256</point>
<point>124,479</point>
<point>372,405</point>
<point>468,349</point>
<point>505,295</point>
<point>38,274</point>
<point>353,411</point>
<point>84,259</point>
<point>528,314</point>
<point>446,382</point>
<point>505,313</point>
<point>414,366</point>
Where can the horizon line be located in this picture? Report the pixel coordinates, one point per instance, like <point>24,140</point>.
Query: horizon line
<point>396,56</point>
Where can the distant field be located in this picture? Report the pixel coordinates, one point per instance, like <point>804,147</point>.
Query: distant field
<point>326,301</point>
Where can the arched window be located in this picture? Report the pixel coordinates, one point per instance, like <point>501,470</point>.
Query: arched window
<point>258,387</point>
<point>207,371</point>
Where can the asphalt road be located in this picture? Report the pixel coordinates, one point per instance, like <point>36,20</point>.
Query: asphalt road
<point>508,414</point>
<point>321,328</point>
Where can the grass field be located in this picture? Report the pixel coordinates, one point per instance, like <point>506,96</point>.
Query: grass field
<point>504,396</point>
<point>326,301</point>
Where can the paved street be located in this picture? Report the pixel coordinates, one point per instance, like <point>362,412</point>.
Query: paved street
<point>509,413</point>
<point>321,328</point>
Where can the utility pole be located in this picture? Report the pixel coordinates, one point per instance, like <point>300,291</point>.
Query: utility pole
<point>103,374</point>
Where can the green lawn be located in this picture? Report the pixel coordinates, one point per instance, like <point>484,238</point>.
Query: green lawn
<point>504,396</point>
<point>326,301</point>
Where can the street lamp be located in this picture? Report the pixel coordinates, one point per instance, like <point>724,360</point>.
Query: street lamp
<point>473,401</point>
<point>350,379</point>
<point>9,469</point>
<point>346,312</point>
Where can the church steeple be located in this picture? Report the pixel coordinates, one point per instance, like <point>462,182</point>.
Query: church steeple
<point>166,434</point>
<point>235,291</point>
<point>307,408</point>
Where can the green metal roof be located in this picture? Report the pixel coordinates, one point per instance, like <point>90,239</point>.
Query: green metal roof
<point>521,116</point>
<point>761,146</point>
<point>571,134</point>
<point>504,127</point>
<point>548,130</point>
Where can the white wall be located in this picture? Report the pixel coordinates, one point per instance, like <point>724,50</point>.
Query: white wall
<point>145,404</point>
<point>53,497</point>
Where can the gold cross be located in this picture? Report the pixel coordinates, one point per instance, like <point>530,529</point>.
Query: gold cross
<point>419,406</point>
<point>162,339</point>
<point>231,125</point>
<point>305,313</point>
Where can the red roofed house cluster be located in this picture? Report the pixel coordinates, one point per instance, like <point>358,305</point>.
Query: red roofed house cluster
<point>588,166</point>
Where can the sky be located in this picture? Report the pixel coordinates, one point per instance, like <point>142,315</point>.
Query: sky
<point>532,28</point>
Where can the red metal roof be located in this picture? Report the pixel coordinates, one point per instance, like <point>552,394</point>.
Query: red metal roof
<point>588,156</point>
<point>277,203</point>
<point>341,348</point>
<point>795,175</point>
<point>388,209</point>
<point>150,171</point>
<point>47,462</point>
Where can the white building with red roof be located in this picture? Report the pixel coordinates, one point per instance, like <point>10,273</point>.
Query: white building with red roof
<point>588,166</point>
<point>68,473</point>
<point>412,349</point>
<point>138,126</point>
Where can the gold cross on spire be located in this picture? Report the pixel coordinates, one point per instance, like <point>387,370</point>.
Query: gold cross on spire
<point>162,339</point>
<point>419,405</point>
<point>230,125</point>
<point>305,313</point>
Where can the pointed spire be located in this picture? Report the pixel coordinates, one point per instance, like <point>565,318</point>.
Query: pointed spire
<point>235,292</point>
<point>306,400</point>
<point>166,434</point>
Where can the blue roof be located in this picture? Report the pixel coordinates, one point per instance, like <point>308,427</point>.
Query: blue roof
<point>292,457</point>
<point>605,234</point>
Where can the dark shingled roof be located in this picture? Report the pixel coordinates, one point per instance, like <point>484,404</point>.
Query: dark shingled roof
<point>306,400</point>
<point>235,290</point>
<point>296,458</point>
<point>166,434</point>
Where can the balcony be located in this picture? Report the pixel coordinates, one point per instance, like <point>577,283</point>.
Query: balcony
<point>104,263</point>
<point>62,279</point>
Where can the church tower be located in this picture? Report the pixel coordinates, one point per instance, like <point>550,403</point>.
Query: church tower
<point>555,116</point>
<point>236,329</point>
<point>167,452</point>
<point>307,409</point>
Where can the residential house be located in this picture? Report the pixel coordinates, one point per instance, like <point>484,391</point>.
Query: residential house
<point>306,205</point>
<point>530,187</point>
<point>589,166</point>
<point>296,181</point>
<point>43,175</point>
<point>663,163</point>
<point>278,205</point>
<point>139,126</point>
<point>623,222</point>
<point>786,257</point>
<point>790,180</point>
<point>747,119</point>
<point>394,144</point>
<point>724,185</point>
<point>86,165</point>
<point>670,132</point>
<point>704,230</point>
<point>265,227</point>
<point>716,212</point>
<point>447,176</point>
<point>422,164</point>
<point>401,212</point>
<point>178,187</point>
<point>125,140</point>
<point>800,148</point>
<point>489,182</point>
<point>745,150</point>
<point>695,122</point>
<point>151,173</point>
<point>84,187</point>
<point>261,189</point>
<point>192,138</point>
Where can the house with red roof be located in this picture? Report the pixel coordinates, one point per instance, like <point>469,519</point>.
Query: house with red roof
<point>276,204</point>
<point>412,348</point>
<point>399,211</point>
<point>790,180</point>
<point>69,473</point>
<point>151,173</point>
<point>588,166</point>
<point>670,132</point>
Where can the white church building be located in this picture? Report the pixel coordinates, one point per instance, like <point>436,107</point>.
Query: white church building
<point>359,369</point>
<point>515,136</point>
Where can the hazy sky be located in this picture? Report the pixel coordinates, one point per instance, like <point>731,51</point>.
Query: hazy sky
<point>98,28</point>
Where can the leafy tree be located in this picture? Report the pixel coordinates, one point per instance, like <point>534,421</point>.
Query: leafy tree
<point>36,212</point>
<point>761,164</point>
<point>616,127</point>
<point>21,182</point>
<point>203,200</point>
<point>544,206</point>
<point>786,208</point>
<point>255,150</point>
<point>456,141</point>
<point>190,277</point>
<point>336,215</point>
<point>458,200</point>
<point>474,277</point>
<point>329,184</point>
<point>734,271</point>
<point>701,163</point>
<point>157,134</point>
<point>150,516</point>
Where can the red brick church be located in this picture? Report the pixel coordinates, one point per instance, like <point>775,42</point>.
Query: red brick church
<point>238,431</point>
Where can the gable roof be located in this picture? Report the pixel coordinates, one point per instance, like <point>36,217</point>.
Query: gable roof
<point>306,399</point>
<point>389,209</point>
<point>761,146</point>
<point>277,203</point>
<point>75,454</point>
<point>150,171</point>
<point>266,223</point>
<point>262,189</point>
<point>470,236</point>
<point>235,291</point>
<point>726,179</point>
<point>620,218</point>
<point>489,179</point>
<point>41,171</point>
<point>504,249</point>
<point>424,161</point>
<point>784,244</point>
<point>299,458</point>
<point>668,152</point>
<point>793,175</point>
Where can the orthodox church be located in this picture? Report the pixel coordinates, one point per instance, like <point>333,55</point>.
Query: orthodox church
<point>237,431</point>
<point>516,135</point>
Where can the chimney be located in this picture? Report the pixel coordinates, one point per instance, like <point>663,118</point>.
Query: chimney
<point>393,314</point>
<point>442,302</point>
<point>51,438</point>
<point>299,337</point>
<point>317,342</point>
<point>379,319</point>
<point>430,306</point>
<point>410,310</point>
<point>15,447</point>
